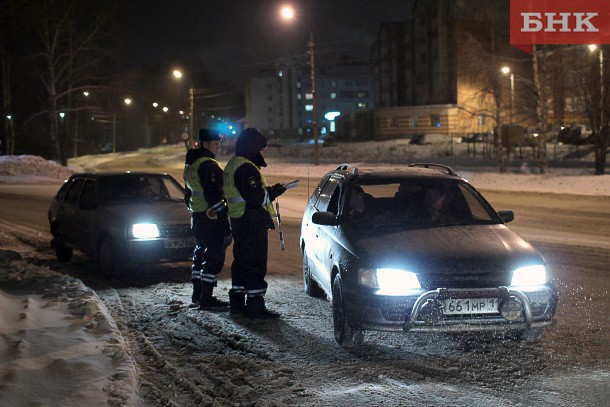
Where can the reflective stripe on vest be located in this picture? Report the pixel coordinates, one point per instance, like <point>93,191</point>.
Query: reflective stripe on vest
<point>197,202</point>
<point>237,204</point>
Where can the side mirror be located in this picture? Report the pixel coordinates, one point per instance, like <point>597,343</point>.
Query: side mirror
<point>325,218</point>
<point>507,216</point>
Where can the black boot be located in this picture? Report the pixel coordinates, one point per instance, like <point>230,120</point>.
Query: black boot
<point>196,297</point>
<point>237,302</point>
<point>256,309</point>
<point>209,302</point>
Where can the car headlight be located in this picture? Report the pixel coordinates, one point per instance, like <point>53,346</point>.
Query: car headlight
<point>529,275</point>
<point>388,281</point>
<point>144,230</point>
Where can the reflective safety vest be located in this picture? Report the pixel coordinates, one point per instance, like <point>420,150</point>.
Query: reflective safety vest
<point>197,202</point>
<point>237,204</point>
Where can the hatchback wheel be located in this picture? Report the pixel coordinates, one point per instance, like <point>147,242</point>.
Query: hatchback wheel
<point>310,286</point>
<point>107,258</point>
<point>344,334</point>
<point>62,251</point>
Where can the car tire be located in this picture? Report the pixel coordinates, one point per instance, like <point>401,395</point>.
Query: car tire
<point>345,335</point>
<point>310,286</point>
<point>62,251</point>
<point>108,262</point>
<point>530,335</point>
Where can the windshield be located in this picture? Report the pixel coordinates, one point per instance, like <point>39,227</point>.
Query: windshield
<point>417,203</point>
<point>139,189</point>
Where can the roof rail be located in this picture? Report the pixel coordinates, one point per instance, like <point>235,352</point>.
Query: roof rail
<point>446,168</point>
<point>346,167</point>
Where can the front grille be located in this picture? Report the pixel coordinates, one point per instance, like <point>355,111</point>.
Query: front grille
<point>175,231</point>
<point>464,280</point>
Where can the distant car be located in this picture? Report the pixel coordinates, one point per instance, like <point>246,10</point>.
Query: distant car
<point>430,138</point>
<point>119,218</point>
<point>378,245</point>
<point>576,134</point>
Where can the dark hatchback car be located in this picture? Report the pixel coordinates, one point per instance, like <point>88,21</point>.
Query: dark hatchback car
<point>119,218</point>
<point>418,249</point>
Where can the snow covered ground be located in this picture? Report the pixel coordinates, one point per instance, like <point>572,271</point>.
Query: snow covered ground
<point>58,344</point>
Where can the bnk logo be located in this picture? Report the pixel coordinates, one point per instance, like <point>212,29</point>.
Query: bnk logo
<point>559,22</point>
<point>563,22</point>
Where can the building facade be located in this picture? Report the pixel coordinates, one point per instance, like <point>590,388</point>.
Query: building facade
<point>280,101</point>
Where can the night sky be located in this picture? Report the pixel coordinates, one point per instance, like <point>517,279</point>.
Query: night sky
<point>233,39</point>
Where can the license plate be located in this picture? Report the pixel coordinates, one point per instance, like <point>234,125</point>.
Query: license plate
<point>178,244</point>
<point>467,306</point>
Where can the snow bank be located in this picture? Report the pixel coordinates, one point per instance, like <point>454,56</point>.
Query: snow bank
<point>58,343</point>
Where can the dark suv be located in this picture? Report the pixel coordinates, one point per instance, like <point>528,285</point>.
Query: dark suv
<point>118,218</point>
<point>418,249</point>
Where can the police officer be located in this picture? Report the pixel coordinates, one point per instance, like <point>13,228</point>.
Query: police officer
<point>251,214</point>
<point>209,221</point>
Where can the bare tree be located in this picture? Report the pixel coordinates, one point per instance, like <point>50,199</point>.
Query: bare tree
<point>71,39</point>
<point>483,51</point>
<point>596,105</point>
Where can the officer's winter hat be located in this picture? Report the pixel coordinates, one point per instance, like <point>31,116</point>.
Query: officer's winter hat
<point>249,144</point>
<point>209,135</point>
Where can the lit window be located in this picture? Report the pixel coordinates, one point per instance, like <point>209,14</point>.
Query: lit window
<point>362,105</point>
<point>333,95</point>
<point>308,108</point>
<point>413,121</point>
<point>298,85</point>
<point>309,96</point>
<point>299,96</point>
<point>435,120</point>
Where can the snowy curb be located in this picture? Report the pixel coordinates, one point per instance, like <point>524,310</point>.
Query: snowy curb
<point>84,311</point>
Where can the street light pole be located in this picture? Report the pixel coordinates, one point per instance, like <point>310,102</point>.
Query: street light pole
<point>191,116</point>
<point>287,13</point>
<point>85,93</point>
<point>506,71</point>
<point>601,88</point>
<point>592,48</point>
<point>314,99</point>
<point>512,97</point>
<point>178,75</point>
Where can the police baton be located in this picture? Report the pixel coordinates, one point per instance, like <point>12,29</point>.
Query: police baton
<point>291,185</point>
<point>279,224</point>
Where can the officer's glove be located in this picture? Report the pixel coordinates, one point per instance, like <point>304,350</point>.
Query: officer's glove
<point>277,190</point>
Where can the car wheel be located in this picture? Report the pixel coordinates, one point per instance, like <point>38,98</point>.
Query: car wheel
<point>530,335</point>
<point>310,287</point>
<point>62,252</point>
<point>107,258</point>
<point>344,334</point>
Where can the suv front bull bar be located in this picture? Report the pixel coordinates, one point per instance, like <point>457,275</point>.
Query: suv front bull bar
<point>440,294</point>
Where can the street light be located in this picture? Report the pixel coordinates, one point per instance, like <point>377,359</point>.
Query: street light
<point>86,94</point>
<point>287,13</point>
<point>178,75</point>
<point>506,70</point>
<point>127,101</point>
<point>592,48</point>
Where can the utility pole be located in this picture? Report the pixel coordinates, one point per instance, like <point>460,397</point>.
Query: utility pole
<point>313,93</point>
<point>191,116</point>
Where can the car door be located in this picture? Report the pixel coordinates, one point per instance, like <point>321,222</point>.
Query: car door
<point>65,214</point>
<point>324,235</point>
<point>85,216</point>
